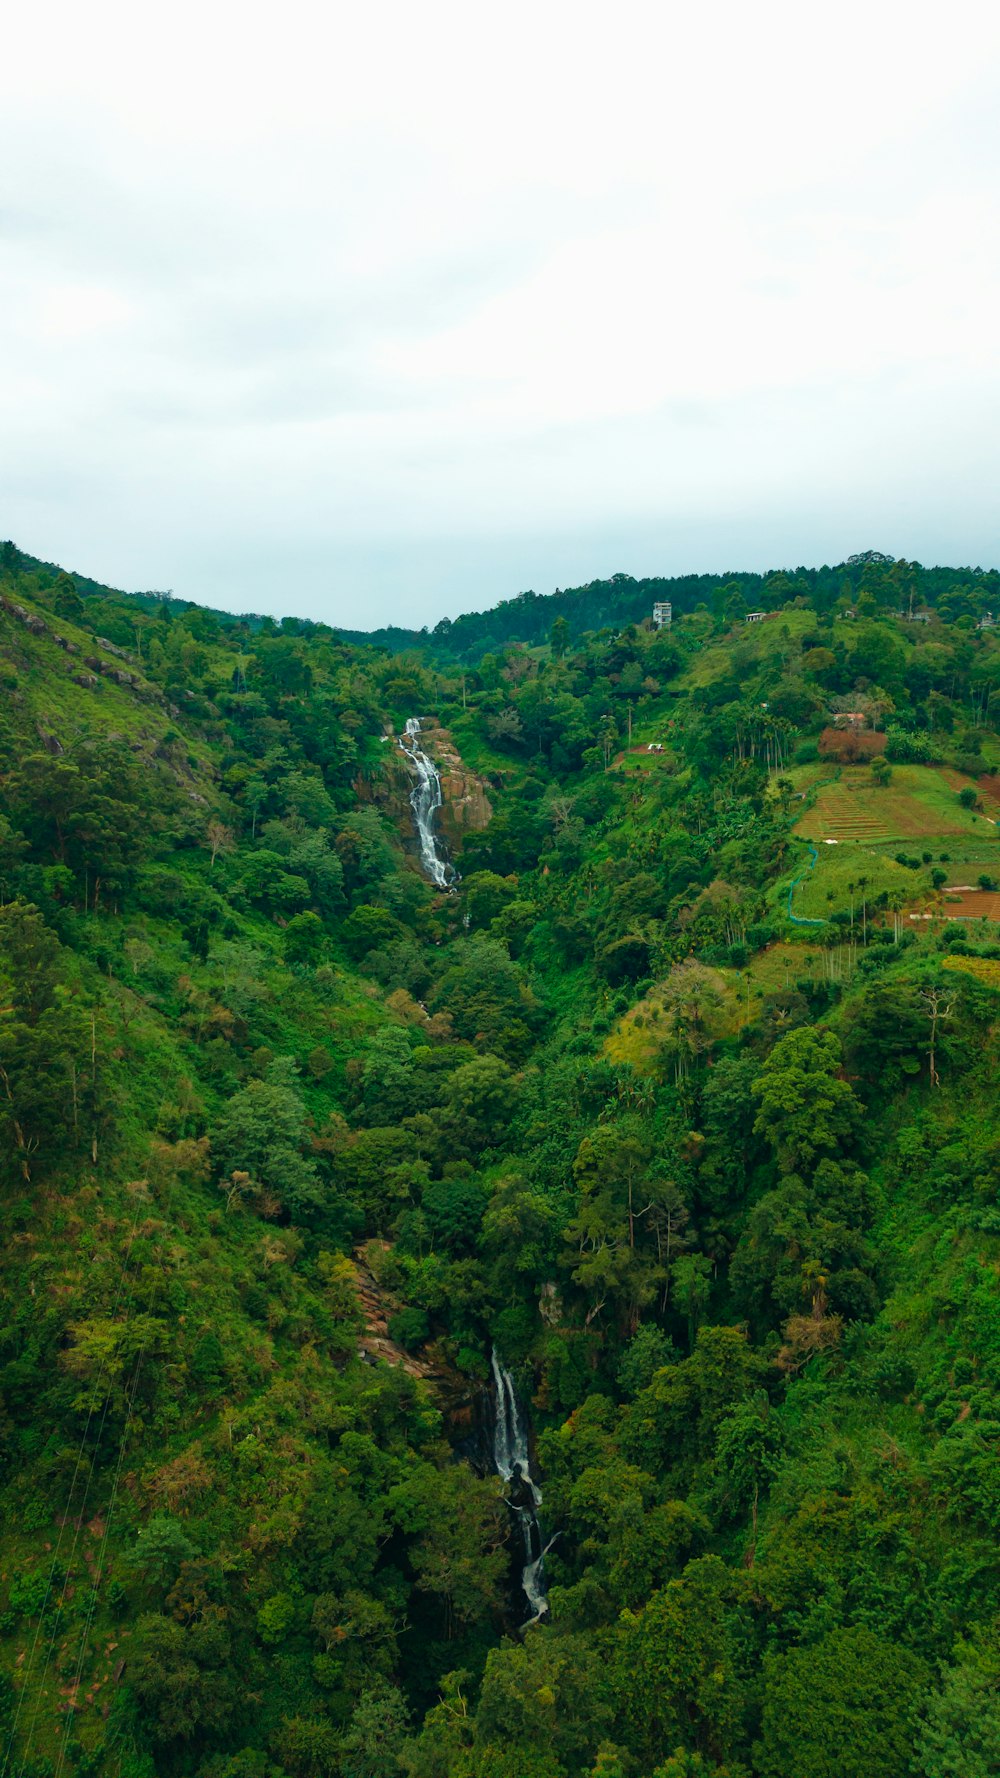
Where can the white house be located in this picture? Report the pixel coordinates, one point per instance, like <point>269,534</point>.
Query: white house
<point>663,614</point>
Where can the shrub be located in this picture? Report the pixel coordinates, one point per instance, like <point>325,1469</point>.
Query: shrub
<point>902,747</point>
<point>409,1328</point>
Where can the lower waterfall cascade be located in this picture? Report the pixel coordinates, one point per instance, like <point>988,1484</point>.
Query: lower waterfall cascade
<point>511,1461</point>
<point>425,800</point>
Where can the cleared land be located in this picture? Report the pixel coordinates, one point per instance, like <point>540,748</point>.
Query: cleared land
<point>971,904</point>
<point>920,802</point>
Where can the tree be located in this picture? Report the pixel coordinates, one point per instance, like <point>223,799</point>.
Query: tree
<point>478,1103</point>
<point>368,929</point>
<point>692,1287</point>
<point>51,1049</point>
<point>369,1748</point>
<point>613,1158</point>
<point>542,1696</point>
<point>806,1108</point>
<point>485,895</point>
<point>160,1549</point>
<point>66,601</point>
<point>218,838</point>
<point>303,939</point>
<point>960,1736</point>
<point>559,636</point>
<point>692,1001</point>
<point>458,1524</point>
<point>262,1132</point>
<point>181,1677</point>
<point>937,1005</point>
<point>678,1666</point>
<point>747,1452</point>
<point>840,1708</point>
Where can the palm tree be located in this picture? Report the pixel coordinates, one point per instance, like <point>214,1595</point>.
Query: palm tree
<point>863,885</point>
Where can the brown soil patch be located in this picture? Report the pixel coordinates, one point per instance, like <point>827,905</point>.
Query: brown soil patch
<point>972,904</point>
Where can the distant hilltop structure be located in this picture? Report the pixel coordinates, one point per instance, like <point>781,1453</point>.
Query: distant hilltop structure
<point>663,614</point>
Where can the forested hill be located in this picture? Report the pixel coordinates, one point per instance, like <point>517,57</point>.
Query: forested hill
<point>679,1106</point>
<point>895,586</point>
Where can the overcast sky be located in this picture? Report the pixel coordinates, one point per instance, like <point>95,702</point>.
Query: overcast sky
<point>380,312</point>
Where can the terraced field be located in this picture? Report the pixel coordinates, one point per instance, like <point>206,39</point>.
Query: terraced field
<point>919,803</point>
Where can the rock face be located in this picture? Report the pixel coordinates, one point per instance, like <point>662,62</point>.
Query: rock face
<point>466,807</point>
<point>460,1399</point>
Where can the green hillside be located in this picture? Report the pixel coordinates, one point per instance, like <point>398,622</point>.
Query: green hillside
<point>680,1106</point>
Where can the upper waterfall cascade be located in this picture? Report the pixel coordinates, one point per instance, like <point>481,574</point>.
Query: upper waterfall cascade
<point>510,1457</point>
<point>425,800</point>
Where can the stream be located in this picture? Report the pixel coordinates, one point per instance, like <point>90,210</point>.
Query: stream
<point>425,801</point>
<point>524,1497</point>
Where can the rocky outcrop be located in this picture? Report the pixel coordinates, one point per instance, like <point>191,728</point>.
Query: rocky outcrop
<point>378,1306</point>
<point>462,1401</point>
<point>466,807</point>
<point>140,688</point>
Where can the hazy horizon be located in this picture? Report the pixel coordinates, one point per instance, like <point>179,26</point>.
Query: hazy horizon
<point>380,318</point>
<point>288,607</point>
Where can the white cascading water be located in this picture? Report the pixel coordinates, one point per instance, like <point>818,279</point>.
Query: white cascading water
<point>425,800</point>
<point>510,1457</point>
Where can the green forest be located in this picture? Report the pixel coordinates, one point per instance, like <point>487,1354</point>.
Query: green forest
<point>675,1111</point>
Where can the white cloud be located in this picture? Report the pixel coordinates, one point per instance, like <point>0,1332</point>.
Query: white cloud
<point>397,309</point>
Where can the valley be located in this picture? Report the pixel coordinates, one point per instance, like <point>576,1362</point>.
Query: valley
<point>500,1184</point>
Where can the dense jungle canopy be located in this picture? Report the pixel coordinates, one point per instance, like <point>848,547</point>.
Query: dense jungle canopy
<point>681,1102</point>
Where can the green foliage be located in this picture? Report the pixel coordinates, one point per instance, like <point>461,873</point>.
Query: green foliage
<point>960,1733</point>
<point>806,1109</point>
<point>289,1142</point>
<point>840,1708</point>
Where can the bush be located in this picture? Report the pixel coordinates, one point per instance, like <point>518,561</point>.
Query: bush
<point>409,1328</point>
<point>761,933</point>
<point>905,748</point>
<point>302,939</point>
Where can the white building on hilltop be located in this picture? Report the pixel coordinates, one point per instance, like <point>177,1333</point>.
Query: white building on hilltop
<point>663,614</point>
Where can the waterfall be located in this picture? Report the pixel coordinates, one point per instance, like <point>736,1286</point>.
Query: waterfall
<point>425,800</point>
<point>510,1459</point>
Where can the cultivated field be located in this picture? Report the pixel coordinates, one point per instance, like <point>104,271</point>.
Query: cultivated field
<point>920,803</point>
<point>971,904</point>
